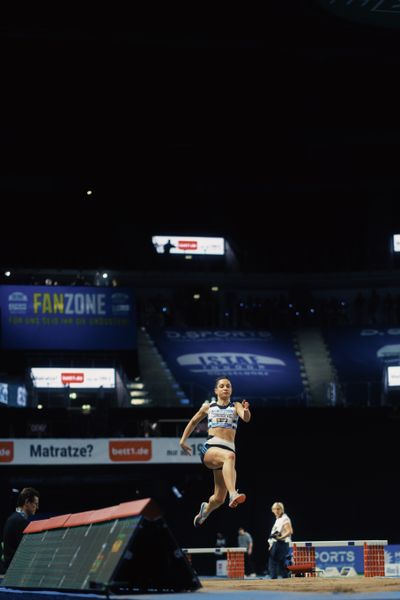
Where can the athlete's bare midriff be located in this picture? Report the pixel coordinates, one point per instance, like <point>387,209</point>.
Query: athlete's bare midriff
<point>223,432</point>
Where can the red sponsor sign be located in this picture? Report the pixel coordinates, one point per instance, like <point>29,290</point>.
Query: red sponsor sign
<point>6,452</point>
<point>130,451</point>
<point>72,378</point>
<point>187,245</point>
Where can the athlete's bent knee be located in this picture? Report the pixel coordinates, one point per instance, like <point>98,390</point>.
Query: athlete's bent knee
<point>230,457</point>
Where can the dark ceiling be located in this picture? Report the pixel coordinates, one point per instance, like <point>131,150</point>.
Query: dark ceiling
<point>288,23</point>
<point>216,118</point>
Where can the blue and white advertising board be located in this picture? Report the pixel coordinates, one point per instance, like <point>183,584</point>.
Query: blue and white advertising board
<point>67,318</point>
<point>343,559</point>
<point>260,364</point>
<point>360,354</point>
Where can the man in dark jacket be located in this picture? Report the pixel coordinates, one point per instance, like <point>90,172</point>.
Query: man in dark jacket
<point>27,505</point>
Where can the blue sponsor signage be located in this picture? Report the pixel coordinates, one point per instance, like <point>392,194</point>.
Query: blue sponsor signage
<point>13,394</point>
<point>392,554</point>
<point>351,556</point>
<point>261,364</point>
<point>359,353</point>
<point>339,557</point>
<point>67,318</point>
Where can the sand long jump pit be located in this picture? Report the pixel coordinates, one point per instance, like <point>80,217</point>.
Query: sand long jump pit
<point>350,585</point>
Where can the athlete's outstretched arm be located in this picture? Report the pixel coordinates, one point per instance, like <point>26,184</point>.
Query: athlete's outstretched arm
<point>243,410</point>
<point>191,426</point>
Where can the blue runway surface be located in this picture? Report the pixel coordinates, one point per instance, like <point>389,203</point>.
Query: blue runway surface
<point>9,594</point>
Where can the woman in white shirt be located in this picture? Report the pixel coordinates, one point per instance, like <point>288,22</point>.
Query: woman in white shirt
<point>279,540</point>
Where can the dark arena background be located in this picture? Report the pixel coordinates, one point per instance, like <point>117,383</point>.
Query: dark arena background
<point>187,199</point>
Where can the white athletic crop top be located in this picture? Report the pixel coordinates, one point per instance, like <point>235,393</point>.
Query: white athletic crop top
<point>222,416</point>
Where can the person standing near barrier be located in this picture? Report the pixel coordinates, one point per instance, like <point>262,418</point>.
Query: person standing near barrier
<point>245,540</point>
<point>220,543</point>
<point>27,505</point>
<point>279,542</point>
<point>218,453</point>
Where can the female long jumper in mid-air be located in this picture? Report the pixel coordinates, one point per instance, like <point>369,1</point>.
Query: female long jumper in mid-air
<point>218,453</point>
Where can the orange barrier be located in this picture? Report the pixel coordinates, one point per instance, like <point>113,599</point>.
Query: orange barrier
<point>374,556</point>
<point>374,560</point>
<point>235,566</point>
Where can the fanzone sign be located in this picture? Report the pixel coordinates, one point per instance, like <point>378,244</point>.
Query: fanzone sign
<point>60,317</point>
<point>96,451</point>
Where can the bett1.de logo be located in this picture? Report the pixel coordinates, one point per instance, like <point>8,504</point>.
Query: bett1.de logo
<point>6,452</point>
